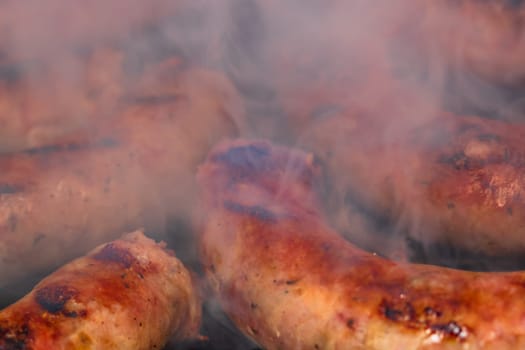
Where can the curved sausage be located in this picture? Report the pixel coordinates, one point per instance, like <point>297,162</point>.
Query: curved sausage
<point>290,281</point>
<point>127,294</point>
<point>58,202</point>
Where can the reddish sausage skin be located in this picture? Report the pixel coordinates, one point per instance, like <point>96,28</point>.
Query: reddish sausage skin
<point>127,294</point>
<point>291,282</point>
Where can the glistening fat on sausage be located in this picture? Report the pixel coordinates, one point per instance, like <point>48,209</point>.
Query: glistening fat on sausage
<point>127,294</point>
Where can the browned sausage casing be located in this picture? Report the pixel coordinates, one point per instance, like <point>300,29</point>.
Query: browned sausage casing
<point>453,179</point>
<point>127,294</point>
<point>56,204</point>
<point>291,282</point>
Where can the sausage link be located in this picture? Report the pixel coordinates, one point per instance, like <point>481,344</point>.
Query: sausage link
<point>57,203</point>
<point>127,294</point>
<point>452,180</point>
<point>291,282</point>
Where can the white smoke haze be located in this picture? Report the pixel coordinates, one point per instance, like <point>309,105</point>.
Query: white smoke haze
<point>311,73</point>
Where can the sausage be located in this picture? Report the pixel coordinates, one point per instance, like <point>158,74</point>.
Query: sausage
<point>452,180</point>
<point>127,294</point>
<point>58,202</point>
<point>64,70</point>
<point>289,281</point>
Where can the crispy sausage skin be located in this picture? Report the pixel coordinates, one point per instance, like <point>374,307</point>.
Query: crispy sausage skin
<point>57,203</point>
<point>127,294</point>
<point>291,282</point>
<point>454,180</point>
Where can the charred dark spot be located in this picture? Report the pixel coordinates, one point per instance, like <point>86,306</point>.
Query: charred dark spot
<point>431,312</point>
<point>403,312</point>
<point>9,189</point>
<point>451,205</point>
<point>75,314</point>
<point>350,323</point>
<point>113,253</point>
<point>53,298</point>
<point>256,211</point>
<point>450,329</point>
<point>154,99</point>
<point>253,305</point>
<point>461,162</point>
<point>392,314</point>
<point>247,159</point>
<point>290,282</point>
<point>14,338</point>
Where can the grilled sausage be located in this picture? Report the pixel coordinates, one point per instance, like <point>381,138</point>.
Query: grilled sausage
<point>291,282</point>
<point>453,180</point>
<point>127,294</point>
<point>58,202</point>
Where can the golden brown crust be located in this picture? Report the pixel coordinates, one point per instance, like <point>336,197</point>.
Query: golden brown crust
<point>127,294</point>
<point>58,202</point>
<point>290,282</point>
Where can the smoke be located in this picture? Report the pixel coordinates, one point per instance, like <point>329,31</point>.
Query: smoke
<point>355,81</point>
<point>344,79</point>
